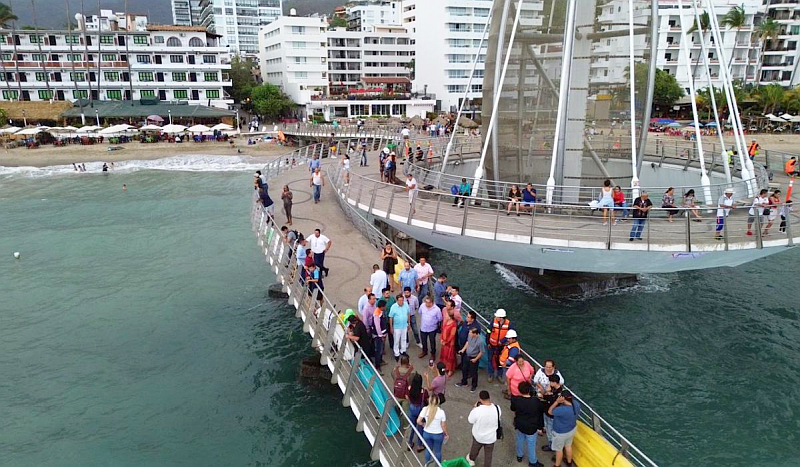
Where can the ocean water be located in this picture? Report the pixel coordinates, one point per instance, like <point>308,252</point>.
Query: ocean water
<point>135,329</point>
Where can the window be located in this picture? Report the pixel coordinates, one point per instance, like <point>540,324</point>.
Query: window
<point>298,29</point>
<point>145,76</point>
<point>298,45</point>
<point>229,21</point>
<point>176,58</point>
<point>456,88</point>
<point>77,76</point>
<point>209,59</point>
<point>10,95</point>
<point>196,42</point>
<point>477,88</point>
<point>108,57</point>
<point>147,93</point>
<point>72,39</point>
<point>45,94</point>
<point>106,39</point>
<point>39,57</point>
<point>301,59</point>
<point>142,59</point>
<point>36,39</point>
<point>212,94</point>
<point>217,11</point>
<point>114,94</point>
<point>80,94</point>
<point>6,56</point>
<point>174,42</point>
<point>74,57</point>
<point>41,76</point>
<point>228,11</point>
<point>156,39</point>
<point>301,74</point>
<point>178,76</point>
<point>180,94</point>
<point>211,76</point>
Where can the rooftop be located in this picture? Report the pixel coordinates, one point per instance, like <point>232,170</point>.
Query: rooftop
<point>385,80</point>
<point>135,109</point>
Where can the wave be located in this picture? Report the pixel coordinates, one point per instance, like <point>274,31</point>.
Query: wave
<point>175,163</point>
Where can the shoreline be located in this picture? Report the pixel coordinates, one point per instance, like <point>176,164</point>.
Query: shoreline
<point>66,155</point>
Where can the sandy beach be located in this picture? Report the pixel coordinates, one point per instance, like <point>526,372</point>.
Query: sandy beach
<point>46,156</point>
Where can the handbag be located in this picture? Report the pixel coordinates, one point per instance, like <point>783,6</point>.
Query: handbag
<point>767,211</point>
<point>499,423</point>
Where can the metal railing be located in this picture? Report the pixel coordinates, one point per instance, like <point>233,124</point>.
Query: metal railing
<point>588,415</point>
<point>560,225</point>
<point>353,131</point>
<point>380,415</point>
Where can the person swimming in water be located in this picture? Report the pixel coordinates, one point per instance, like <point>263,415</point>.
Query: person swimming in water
<point>124,187</point>
<point>75,167</point>
<point>105,167</point>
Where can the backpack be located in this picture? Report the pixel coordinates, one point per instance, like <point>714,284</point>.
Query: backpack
<point>298,236</point>
<point>400,384</point>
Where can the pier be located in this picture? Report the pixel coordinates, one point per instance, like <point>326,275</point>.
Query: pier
<point>356,247</point>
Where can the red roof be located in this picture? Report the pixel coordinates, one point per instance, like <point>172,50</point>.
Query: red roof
<point>386,80</point>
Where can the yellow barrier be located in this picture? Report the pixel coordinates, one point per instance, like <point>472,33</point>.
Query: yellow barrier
<point>590,449</point>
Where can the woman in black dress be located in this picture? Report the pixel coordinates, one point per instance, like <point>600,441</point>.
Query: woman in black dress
<point>389,257</point>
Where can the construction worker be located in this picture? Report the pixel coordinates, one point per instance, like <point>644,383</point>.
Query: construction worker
<point>497,334</point>
<point>752,150</point>
<point>509,354</point>
<point>791,166</point>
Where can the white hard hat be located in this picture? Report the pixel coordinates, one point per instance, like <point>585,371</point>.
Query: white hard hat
<point>386,150</point>
<point>511,333</point>
<point>500,313</point>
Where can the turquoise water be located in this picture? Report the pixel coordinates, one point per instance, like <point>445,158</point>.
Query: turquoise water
<point>135,330</point>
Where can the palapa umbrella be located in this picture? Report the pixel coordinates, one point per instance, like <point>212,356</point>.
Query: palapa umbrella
<point>417,120</point>
<point>467,122</point>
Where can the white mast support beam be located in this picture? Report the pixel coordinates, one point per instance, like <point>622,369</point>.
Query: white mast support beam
<point>632,63</point>
<point>705,182</point>
<point>495,113</point>
<point>733,106</point>
<point>569,36</point>
<point>498,84</point>
<point>713,97</point>
<point>466,93</point>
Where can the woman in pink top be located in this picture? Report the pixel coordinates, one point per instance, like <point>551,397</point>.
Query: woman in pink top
<point>518,372</point>
<point>449,305</point>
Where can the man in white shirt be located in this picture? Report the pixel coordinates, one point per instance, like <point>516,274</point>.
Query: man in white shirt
<point>424,273</point>
<point>413,306</point>
<point>363,300</point>
<point>724,206</point>
<point>378,280</point>
<point>759,203</point>
<point>411,188</point>
<point>485,419</point>
<point>320,245</point>
<point>455,297</point>
<point>405,132</point>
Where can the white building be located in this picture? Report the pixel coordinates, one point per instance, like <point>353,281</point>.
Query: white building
<point>385,51</point>
<point>447,37</point>
<point>237,21</point>
<point>781,55</point>
<point>365,14</point>
<point>171,63</point>
<point>293,54</point>
<point>186,12</point>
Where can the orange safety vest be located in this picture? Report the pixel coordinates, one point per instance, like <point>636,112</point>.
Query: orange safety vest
<point>753,148</point>
<point>789,166</point>
<point>499,330</point>
<point>504,353</point>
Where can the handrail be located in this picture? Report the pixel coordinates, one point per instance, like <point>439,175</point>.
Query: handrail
<point>317,308</point>
<point>588,414</point>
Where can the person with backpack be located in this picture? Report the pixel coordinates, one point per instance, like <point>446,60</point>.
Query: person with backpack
<point>417,398</point>
<point>402,377</point>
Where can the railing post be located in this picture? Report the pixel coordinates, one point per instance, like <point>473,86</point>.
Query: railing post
<point>337,366</point>
<point>497,219</point>
<point>789,228</point>
<point>464,220</point>
<point>326,345</point>
<point>597,425</point>
<point>391,202</point>
<point>688,231</point>
<point>352,377</point>
<point>374,454</point>
<point>372,200</point>
<point>363,408</point>
<point>412,207</point>
<point>725,228</point>
<point>648,221</point>
<point>759,237</point>
<point>610,223</point>
<point>533,221</point>
<point>436,213</point>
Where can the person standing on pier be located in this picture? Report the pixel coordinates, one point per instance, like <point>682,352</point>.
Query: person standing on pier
<point>314,163</point>
<point>500,327</point>
<point>565,411</point>
<point>317,182</point>
<point>408,277</point>
<point>424,273</point>
<point>724,206</point>
<point>398,323</point>
<point>411,188</point>
<point>471,353</point>
<point>413,306</point>
<point>320,244</point>
<point>358,333</point>
<point>379,325</point>
<point>429,318</point>
<point>448,339</point>
<point>641,208</point>
<point>528,422</point>
<point>287,197</point>
<point>485,420</point>
<point>378,280</point>
<point>389,257</point>
<point>440,290</point>
<point>434,422</point>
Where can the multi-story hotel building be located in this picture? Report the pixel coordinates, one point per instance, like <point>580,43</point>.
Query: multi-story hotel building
<point>171,63</point>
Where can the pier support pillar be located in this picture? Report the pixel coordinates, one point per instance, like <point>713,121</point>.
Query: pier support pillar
<point>571,285</point>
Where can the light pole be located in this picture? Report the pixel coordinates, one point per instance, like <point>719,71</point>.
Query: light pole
<point>238,127</point>
<point>169,112</point>
<point>97,116</point>
<point>24,118</point>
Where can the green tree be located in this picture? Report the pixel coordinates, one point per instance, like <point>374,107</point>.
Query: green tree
<point>768,29</point>
<point>705,25</point>
<point>270,102</point>
<point>771,97</point>
<point>6,15</point>
<point>242,79</point>
<point>666,90</point>
<point>337,22</point>
<point>735,18</point>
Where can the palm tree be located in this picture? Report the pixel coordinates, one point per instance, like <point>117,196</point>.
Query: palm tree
<point>735,18</point>
<point>6,15</point>
<point>770,97</point>
<point>705,25</point>
<point>768,29</point>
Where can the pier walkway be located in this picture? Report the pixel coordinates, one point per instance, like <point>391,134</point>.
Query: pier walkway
<point>355,248</point>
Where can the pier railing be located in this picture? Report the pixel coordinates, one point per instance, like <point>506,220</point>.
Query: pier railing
<point>380,415</point>
<point>588,415</point>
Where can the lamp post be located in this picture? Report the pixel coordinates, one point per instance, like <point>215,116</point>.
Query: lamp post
<point>97,116</point>
<point>169,112</point>
<point>238,126</point>
<point>24,118</point>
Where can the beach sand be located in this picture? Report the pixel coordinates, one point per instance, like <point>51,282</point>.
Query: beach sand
<point>46,156</point>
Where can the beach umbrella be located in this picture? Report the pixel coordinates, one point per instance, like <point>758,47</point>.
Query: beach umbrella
<point>155,118</point>
<point>10,130</point>
<point>774,119</point>
<point>222,127</point>
<point>787,117</point>
<point>150,127</point>
<point>31,131</point>
<point>198,129</point>
<point>88,128</point>
<point>665,120</point>
<point>171,129</point>
<point>69,128</point>
<point>675,125</point>
<point>711,125</point>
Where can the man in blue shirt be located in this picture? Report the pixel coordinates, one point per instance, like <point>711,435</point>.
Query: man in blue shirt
<point>314,163</point>
<point>408,277</point>
<point>301,254</point>
<point>398,323</point>
<point>528,198</point>
<point>440,290</point>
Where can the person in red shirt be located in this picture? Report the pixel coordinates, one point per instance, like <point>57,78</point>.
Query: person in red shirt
<point>619,202</point>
